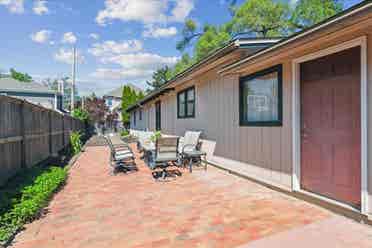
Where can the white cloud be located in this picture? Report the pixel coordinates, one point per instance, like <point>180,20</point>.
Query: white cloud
<point>110,48</point>
<point>14,6</point>
<point>94,36</point>
<point>40,7</point>
<point>118,74</point>
<point>145,11</point>
<point>66,56</point>
<point>181,10</point>
<point>158,32</point>
<point>69,38</point>
<point>135,66</point>
<point>42,36</point>
<point>148,61</point>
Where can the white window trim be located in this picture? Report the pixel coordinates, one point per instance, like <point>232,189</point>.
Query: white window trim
<point>296,110</point>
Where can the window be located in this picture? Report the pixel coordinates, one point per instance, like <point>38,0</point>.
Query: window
<point>186,103</point>
<point>109,102</point>
<point>135,118</point>
<point>140,114</point>
<point>158,116</point>
<point>261,98</point>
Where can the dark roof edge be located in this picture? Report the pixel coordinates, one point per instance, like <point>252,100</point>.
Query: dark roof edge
<point>147,99</point>
<point>323,24</point>
<point>219,52</point>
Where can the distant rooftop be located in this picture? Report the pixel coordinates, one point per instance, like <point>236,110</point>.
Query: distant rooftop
<point>12,85</point>
<point>118,92</point>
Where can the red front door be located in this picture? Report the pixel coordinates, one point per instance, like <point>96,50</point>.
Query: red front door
<point>331,126</point>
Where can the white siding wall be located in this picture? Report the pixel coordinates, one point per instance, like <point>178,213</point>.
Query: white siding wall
<point>262,152</point>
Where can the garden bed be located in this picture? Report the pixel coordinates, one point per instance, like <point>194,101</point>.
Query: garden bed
<point>23,198</point>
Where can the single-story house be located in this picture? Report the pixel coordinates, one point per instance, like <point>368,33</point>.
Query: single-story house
<point>295,114</point>
<point>32,92</point>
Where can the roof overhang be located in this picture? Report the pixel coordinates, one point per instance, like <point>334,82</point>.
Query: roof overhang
<point>228,48</point>
<point>149,98</point>
<point>289,40</point>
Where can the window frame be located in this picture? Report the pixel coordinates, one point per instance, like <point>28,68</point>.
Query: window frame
<point>186,115</point>
<point>242,80</point>
<point>135,118</point>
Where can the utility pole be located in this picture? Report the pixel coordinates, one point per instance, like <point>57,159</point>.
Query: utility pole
<point>73,78</point>
<point>83,102</point>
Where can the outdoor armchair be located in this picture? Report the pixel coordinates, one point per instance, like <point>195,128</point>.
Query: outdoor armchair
<point>166,153</point>
<point>189,144</point>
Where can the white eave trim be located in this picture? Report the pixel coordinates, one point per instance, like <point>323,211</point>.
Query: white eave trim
<point>256,41</point>
<point>295,38</point>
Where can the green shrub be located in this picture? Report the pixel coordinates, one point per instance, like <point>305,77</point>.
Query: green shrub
<point>156,136</point>
<point>124,133</point>
<point>75,141</point>
<point>25,195</point>
<point>80,114</point>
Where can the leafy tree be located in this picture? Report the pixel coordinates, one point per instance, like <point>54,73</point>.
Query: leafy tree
<point>310,12</point>
<point>22,77</point>
<point>189,33</point>
<point>256,18</point>
<point>111,116</point>
<point>232,7</point>
<point>80,114</point>
<point>212,39</point>
<point>96,108</point>
<point>185,62</point>
<point>262,18</point>
<point>160,77</point>
<point>129,97</point>
<point>140,95</point>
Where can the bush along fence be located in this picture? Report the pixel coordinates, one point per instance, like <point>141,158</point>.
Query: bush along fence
<point>24,197</point>
<point>30,134</point>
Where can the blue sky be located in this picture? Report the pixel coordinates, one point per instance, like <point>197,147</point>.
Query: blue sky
<point>119,41</point>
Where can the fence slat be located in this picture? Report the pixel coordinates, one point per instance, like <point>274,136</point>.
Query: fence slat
<point>29,134</point>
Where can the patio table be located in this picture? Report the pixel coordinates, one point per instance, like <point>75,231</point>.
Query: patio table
<point>193,155</point>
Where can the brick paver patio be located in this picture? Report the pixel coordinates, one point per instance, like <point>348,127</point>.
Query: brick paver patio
<point>203,209</point>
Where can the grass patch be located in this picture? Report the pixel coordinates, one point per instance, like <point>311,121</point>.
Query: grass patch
<point>23,197</point>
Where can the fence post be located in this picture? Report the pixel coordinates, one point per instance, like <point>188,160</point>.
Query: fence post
<point>71,125</point>
<point>63,131</point>
<point>23,135</point>
<point>50,134</point>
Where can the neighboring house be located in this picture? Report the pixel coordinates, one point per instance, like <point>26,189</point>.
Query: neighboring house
<point>294,115</point>
<point>113,101</point>
<point>32,92</point>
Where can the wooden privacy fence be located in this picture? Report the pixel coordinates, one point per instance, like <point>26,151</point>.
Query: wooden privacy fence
<point>30,134</point>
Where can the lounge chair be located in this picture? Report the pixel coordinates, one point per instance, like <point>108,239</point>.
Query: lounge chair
<point>121,157</point>
<point>166,154</point>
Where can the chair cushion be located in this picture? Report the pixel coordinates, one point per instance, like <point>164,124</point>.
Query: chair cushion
<point>166,156</point>
<point>191,139</point>
<point>123,152</point>
<point>123,156</point>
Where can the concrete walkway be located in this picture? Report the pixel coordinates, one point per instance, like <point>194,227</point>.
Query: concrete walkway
<point>203,209</point>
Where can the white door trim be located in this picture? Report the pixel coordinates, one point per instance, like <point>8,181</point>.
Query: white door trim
<point>296,110</point>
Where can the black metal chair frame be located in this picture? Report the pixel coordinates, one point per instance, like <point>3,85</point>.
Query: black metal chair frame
<point>127,163</point>
<point>163,165</point>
